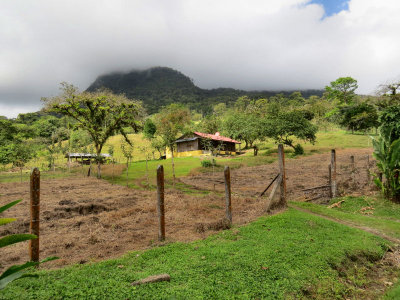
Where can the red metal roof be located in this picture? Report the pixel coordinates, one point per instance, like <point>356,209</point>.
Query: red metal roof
<point>216,137</point>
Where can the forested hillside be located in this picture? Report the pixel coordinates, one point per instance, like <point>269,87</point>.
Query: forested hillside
<point>161,86</point>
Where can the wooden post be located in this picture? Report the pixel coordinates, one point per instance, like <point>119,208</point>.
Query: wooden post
<point>281,157</point>
<point>330,180</point>
<point>228,198</point>
<point>333,173</point>
<point>368,175</point>
<point>35,209</point>
<point>352,163</point>
<point>160,203</point>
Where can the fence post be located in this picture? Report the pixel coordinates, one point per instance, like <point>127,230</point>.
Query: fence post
<point>35,209</point>
<point>368,175</point>
<point>352,163</point>
<point>281,157</point>
<point>160,203</point>
<point>333,173</point>
<point>330,180</point>
<point>228,198</point>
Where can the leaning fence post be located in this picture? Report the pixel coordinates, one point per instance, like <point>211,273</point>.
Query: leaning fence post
<point>160,203</point>
<point>281,157</point>
<point>35,209</point>
<point>228,197</point>
<point>333,173</point>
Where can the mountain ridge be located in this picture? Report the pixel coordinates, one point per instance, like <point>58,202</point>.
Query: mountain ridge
<point>160,86</point>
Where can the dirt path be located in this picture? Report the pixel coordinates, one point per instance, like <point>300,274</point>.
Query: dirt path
<point>350,224</point>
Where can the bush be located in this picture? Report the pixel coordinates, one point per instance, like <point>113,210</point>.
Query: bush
<point>208,163</point>
<point>298,150</point>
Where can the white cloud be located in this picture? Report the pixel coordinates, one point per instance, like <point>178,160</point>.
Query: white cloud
<point>233,43</point>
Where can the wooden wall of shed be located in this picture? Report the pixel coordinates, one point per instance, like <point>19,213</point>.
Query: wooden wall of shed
<point>223,146</point>
<point>188,146</point>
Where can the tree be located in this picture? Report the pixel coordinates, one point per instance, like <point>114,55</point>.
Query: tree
<point>243,126</point>
<point>361,116</point>
<point>210,124</point>
<point>342,90</point>
<point>101,114</point>
<point>171,121</point>
<point>149,129</point>
<point>286,125</point>
<point>127,150</point>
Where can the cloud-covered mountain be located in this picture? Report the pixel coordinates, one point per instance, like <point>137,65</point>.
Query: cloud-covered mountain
<point>160,86</point>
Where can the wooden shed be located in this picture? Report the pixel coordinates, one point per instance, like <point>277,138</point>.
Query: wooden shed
<point>198,143</point>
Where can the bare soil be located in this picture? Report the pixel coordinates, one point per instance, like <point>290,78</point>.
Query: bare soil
<point>301,174</point>
<point>86,219</point>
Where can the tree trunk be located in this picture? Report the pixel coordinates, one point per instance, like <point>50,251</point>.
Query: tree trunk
<point>21,173</point>
<point>90,167</point>
<point>98,169</point>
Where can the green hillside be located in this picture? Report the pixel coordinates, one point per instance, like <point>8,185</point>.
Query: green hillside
<point>160,86</point>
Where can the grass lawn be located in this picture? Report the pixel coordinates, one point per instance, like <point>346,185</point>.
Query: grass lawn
<point>384,216</point>
<point>289,255</point>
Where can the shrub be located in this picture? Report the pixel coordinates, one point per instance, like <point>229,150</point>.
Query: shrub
<point>208,163</point>
<point>298,150</point>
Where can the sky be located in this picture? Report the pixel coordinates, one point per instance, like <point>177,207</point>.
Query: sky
<point>243,44</point>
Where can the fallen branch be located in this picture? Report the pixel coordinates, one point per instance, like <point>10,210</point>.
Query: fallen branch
<point>337,204</point>
<point>151,279</point>
<point>317,187</point>
<point>273,180</point>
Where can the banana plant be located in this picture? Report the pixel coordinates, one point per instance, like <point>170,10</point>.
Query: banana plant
<point>16,271</point>
<point>387,154</point>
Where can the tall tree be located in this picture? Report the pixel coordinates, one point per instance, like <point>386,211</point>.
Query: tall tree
<point>171,121</point>
<point>342,90</point>
<point>287,125</point>
<point>101,114</point>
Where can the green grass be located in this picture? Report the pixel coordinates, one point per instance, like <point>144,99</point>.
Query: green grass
<point>289,255</point>
<point>385,217</point>
<point>326,140</point>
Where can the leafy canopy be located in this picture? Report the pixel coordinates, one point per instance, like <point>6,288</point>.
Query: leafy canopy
<point>171,121</point>
<point>101,114</point>
<point>342,90</point>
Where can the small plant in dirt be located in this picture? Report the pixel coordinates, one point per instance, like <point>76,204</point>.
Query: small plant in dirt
<point>208,163</point>
<point>298,150</point>
<point>16,271</point>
